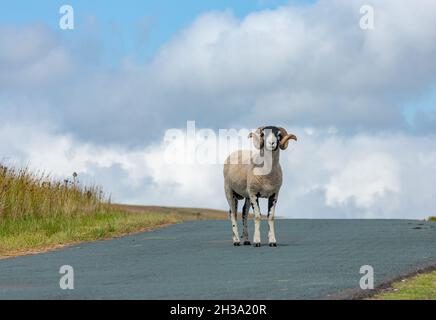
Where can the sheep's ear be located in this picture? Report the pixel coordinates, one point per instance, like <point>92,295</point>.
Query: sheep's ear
<point>257,140</point>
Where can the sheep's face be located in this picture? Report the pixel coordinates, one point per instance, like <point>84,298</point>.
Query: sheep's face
<point>271,138</point>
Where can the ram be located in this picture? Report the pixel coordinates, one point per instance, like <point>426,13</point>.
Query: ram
<point>254,174</point>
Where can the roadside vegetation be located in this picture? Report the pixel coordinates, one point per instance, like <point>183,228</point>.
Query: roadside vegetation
<point>39,213</point>
<point>420,287</point>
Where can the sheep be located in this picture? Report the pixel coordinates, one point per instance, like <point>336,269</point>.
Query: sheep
<point>251,175</point>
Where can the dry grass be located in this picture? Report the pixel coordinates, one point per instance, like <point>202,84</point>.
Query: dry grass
<point>24,194</point>
<point>197,213</point>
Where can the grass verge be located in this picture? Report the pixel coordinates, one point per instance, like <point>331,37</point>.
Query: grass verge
<point>28,235</point>
<point>419,287</point>
<point>38,213</point>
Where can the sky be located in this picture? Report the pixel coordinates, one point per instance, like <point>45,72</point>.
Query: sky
<point>137,27</point>
<point>97,100</point>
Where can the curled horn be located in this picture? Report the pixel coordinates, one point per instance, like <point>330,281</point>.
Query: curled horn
<point>285,138</point>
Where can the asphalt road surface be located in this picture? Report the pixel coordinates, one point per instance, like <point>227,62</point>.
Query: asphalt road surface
<point>196,260</point>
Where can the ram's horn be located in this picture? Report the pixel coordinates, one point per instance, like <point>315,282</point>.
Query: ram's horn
<point>285,138</point>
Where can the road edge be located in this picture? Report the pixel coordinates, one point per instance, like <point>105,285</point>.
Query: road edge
<point>385,286</point>
<point>57,247</point>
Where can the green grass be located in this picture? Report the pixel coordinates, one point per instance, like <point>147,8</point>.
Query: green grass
<point>38,213</point>
<point>32,234</point>
<point>420,287</point>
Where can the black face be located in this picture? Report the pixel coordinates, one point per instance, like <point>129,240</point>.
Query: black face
<point>271,136</point>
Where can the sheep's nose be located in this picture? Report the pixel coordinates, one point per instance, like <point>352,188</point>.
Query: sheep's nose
<point>271,145</point>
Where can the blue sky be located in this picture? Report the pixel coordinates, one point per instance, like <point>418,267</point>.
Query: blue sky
<point>98,100</point>
<point>150,23</point>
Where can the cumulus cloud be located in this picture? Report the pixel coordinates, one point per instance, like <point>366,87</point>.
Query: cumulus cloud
<point>303,65</point>
<point>311,64</point>
<point>31,56</point>
<point>326,174</point>
<point>384,175</point>
<point>363,181</point>
<point>131,176</point>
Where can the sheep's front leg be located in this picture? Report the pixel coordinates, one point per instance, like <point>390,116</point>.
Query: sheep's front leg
<point>271,213</point>
<point>245,211</point>
<point>255,204</point>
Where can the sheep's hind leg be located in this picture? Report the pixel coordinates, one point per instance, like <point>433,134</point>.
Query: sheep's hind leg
<point>245,211</point>
<point>257,215</point>
<point>271,213</point>
<point>233,202</point>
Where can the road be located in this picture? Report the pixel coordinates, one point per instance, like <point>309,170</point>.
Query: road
<point>196,260</point>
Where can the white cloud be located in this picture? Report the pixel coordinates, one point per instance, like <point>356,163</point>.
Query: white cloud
<point>310,64</point>
<point>304,65</point>
<point>326,175</point>
<point>31,57</point>
<point>383,175</point>
<point>363,181</point>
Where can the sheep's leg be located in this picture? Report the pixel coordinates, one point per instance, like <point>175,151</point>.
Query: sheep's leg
<point>271,213</point>
<point>233,203</point>
<point>245,211</point>
<point>233,217</point>
<point>255,204</point>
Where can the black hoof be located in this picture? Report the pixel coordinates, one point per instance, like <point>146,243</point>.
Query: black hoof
<point>236,244</point>
<point>273,244</point>
<point>257,245</point>
<point>247,243</point>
